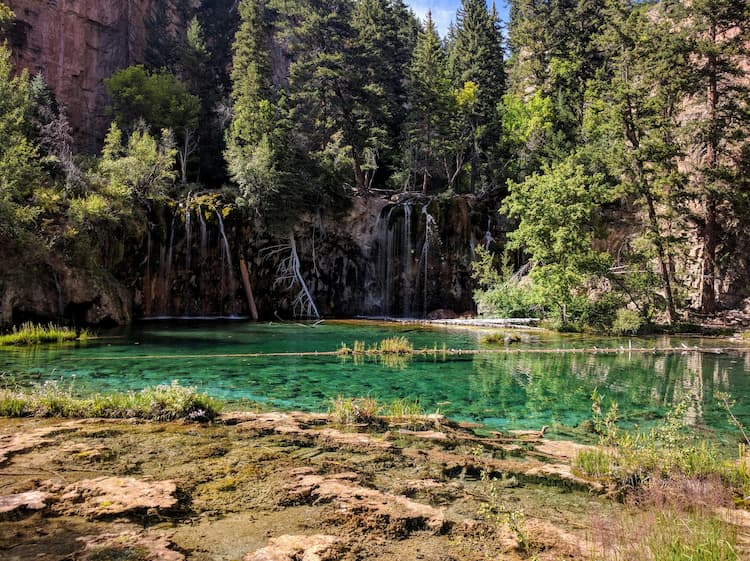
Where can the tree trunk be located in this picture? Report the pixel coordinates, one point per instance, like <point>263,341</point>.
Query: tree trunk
<point>248,289</point>
<point>666,277</point>
<point>711,228</point>
<point>359,175</point>
<point>710,242</point>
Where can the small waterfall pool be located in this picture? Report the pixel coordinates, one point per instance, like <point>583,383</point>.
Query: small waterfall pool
<point>523,390</point>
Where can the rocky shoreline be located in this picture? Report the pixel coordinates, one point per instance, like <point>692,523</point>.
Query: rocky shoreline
<point>290,487</point>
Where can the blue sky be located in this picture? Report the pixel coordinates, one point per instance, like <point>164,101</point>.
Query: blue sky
<point>444,11</point>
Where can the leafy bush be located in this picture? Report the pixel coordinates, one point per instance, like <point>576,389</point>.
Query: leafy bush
<point>627,322</point>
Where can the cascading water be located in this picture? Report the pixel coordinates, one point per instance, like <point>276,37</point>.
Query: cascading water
<point>226,252</point>
<point>431,229</point>
<point>204,234</point>
<point>188,234</point>
<point>403,254</point>
<point>407,257</point>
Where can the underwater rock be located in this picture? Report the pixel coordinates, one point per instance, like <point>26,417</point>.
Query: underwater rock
<point>319,547</point>
<point>394,515</point>
<point>107,496</point>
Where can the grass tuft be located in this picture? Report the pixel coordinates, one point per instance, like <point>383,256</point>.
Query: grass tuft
<point>158,403</point>
<point>32,334</point>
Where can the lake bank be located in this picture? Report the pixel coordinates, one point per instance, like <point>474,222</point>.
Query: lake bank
<point>252,485</point>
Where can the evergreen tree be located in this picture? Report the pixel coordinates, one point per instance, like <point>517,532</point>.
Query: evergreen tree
<point>633,119</point>
<point>477,58</point>
<point>719,30</point>
<point>430,104</point>
<point>252,139</point>
<point>554,50</point>
<point>381,51</point>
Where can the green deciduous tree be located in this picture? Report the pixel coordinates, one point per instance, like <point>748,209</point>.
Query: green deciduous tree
<point>140,168</point>
<point>19,165</point>
<point>559,218</point>
<point>162,101</point>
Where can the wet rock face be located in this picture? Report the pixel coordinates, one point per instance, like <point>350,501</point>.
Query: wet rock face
<point>76,44</point>
<point>56,292</point>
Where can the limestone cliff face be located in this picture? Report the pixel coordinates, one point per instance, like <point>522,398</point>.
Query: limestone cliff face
<point>76,44</point>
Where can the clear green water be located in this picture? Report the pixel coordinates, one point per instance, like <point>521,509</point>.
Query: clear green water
<point>523,390</point>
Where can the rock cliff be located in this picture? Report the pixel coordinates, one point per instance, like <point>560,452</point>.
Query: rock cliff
<point>76,44</point>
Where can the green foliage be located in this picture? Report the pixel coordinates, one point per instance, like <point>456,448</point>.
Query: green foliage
<point>594,463</point>
<point>159,403</point>
<point>142,169</point>
<point>558,222</point>
<point>160,99</point>
<point>32,334</point>
<point>627,322</point>
<point>500,294</point>
<point>19,165</point>
<point>666,451</point>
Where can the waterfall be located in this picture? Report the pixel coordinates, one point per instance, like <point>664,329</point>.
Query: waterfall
<point>429,230</point>
<point>226,252</point>
<point>168,261</point>
<point>407,263</point>
<point>188,234</point>
<point>204,234</point>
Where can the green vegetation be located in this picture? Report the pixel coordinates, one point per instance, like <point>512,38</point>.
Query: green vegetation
<point>388,346</point>
<point>665,453</point>
<point>159,403</point>
<point>32,334</point>
<point>668,536</point>
<point>365,410</point>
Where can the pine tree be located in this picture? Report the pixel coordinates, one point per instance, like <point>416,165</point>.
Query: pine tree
<point>430,102</point>
<point>477,58</point>
<point>251,139</point>
<point>719,31</point>
<point>633,119</point>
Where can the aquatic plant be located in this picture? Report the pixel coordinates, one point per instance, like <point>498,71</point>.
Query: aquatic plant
<point>33,334</point>
<point>160,403</point>
<point>403,408</point>
<point>396,345</point>
<point>391,345</point>
<point>500,338</point>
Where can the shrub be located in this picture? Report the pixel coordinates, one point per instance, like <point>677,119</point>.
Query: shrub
<point>627,322</point>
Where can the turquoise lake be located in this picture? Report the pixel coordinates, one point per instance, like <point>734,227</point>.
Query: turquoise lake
<point>523,390</point>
